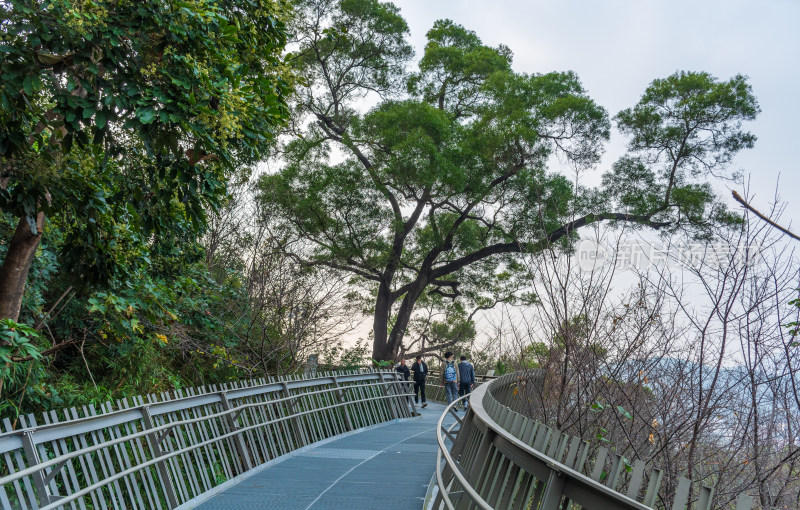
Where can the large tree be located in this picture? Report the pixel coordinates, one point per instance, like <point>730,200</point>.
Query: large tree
<point>431,193</point>
<point>121,121</point>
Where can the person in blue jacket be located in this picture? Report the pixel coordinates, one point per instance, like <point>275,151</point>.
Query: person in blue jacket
<point>450,377</point>
<point>466,377</point>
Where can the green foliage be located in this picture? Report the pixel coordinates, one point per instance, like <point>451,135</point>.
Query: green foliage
<point>794,326</point>
<point>457,59</point>
<point>17,342</point>
<point>435,188</point>
<point>122,122</point>
<point>375,61</point>
<point>338,357</point>
<point>502,367</point>
<point>693,118</point>
<point>121,119</point>
<point>624,413</point>
<point>201,74</point>
<point>20,360</point>
<point>626,464</point>
<point>171,323</point>
<point>686,127</point>
<point>148,335</point>
<point>447,170</point>
<point>377,363</point>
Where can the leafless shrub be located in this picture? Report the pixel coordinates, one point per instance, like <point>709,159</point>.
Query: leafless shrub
<point>292,310</point>
<point>691,369</point>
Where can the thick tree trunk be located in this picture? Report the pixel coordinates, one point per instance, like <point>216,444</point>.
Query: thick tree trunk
<point>14,271</point>
<point>389,345</point>
<point>401,321</point>
<point>382,352</point>
<point>380,324</point>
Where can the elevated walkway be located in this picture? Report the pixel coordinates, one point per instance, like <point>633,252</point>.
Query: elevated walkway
<point>386,466</point>
<point>339,440</point>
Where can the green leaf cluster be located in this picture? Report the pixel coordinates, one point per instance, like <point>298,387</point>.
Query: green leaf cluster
<point>123,120</point>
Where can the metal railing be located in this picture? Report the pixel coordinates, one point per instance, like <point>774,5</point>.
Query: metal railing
<point>499,458</point>
<point>435,390</point>
<point>479,378</point>
<point>162,452</point>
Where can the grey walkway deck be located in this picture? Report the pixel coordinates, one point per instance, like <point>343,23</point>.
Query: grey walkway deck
<point>385,467</point>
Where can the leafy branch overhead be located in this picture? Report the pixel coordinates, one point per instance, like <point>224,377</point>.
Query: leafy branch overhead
<point>430,193</point>
<point>124,120</point>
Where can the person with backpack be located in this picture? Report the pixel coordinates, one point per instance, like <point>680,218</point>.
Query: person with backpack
<point>420,369</point>
<point>466,377</point>
<point>450,377</point>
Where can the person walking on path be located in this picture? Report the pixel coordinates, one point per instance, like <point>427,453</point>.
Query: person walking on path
<point>466,377</point>
<point>450,377</point>
<point>403,369</point>
<point>420,369</point>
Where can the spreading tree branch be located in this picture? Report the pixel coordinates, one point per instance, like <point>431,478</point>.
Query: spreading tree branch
<point>752,209</point>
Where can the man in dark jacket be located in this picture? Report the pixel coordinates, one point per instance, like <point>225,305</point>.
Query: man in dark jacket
<point>403,369</point>
<point>420,369</point>
<point>466,377</point>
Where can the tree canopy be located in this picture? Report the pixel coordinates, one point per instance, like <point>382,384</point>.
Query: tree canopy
<point>123,119</point>
<point>431,193</point>
<point>121,124</point>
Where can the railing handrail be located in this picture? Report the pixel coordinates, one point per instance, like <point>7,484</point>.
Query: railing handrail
<point>144,465</point>
<point>183,403</point>
<point>477,407</point>
<point>554,479</point>
<point>167,426</point>
<point>478,377</point>
<point>317,397</point>
<point>454,467</point>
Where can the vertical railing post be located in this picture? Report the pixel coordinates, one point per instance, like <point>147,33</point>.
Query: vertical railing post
<point>482,456</point>
<point>462,435</point>
<point>298,429</point>
<point>345,407</point>
<point>408,387</point>
<point>553,491</point>
<point>161,466</point>
<point>241,446</point>
<point>385,388</point>
<point>404,402</point>
<point>33,459</point>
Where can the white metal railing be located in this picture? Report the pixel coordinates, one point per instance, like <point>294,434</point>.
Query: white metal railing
<point>500,458</point>
<point>161,454</point>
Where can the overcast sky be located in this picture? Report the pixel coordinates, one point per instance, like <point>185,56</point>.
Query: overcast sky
<point>618,47</point>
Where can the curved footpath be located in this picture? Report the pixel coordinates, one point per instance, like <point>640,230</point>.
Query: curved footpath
<point>387,466</point>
